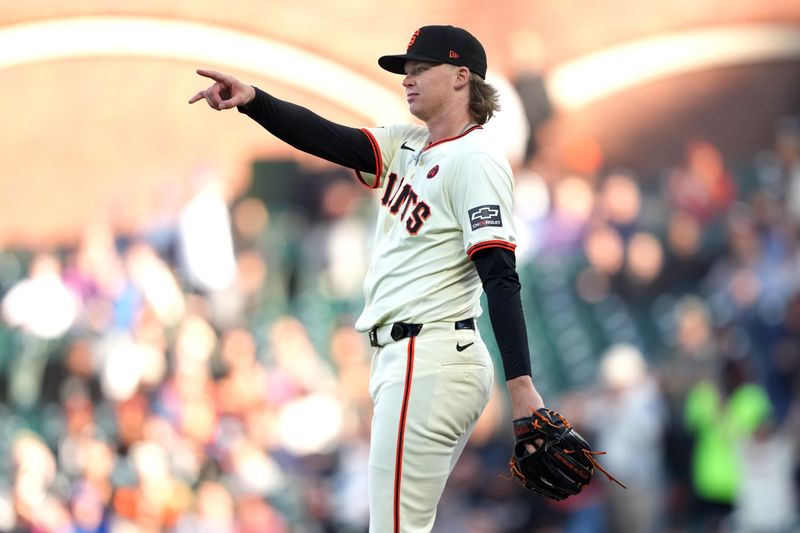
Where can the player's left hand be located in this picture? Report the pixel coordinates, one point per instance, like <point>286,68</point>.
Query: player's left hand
<point>225,93</point>
<point>561,465</point>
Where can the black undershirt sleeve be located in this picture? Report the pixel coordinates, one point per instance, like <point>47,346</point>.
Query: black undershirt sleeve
<point>497,270</point>
<point>309,132</point>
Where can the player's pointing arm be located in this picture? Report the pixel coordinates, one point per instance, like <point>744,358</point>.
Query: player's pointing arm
<point>291,123</point>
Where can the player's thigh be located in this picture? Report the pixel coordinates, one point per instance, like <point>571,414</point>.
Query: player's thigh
<point>434,387</point>
<point>460,391</point>
<point>424,411</point>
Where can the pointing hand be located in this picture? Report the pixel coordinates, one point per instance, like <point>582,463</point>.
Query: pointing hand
<point>226,91</point>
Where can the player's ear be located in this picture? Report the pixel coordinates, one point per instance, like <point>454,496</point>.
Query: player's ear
<point>462,77</point>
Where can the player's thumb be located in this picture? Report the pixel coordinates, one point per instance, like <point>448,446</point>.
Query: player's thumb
<point>229,103</point>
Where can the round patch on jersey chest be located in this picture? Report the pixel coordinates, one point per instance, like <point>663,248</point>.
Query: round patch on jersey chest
<point>432,172</point>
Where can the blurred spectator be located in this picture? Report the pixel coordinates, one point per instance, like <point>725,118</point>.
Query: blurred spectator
<point>721,415</point>
<point>637,282</point>
<point>346,257</point>
<point>703,187</point>
<point>187,397</point>
<point>779,171</point>
<point>212,511</point>
<point>293,357</point>
<point>92,497</point>
<point>34,470</point>
<point>767,499</point>
<point>251,471</point>
<point>605,250</point>
<point>157,500</point>
<point>788,152</point>
<point>41,304</point>
<point>243,385</point>
<point>572,207</point>
<point>696,348</point>
<point>95,273</point>
<point>350,356</point>
<point>692,355</point>
<point>257,516</point>
<point>532,199</point>
<point>685,260</point>
<point>783,375</point>
<point>628,417</point>
<point>205,235</point>
<point>748,284</point>
<point>41,309</point>
<point>620,201</point>
<point>155,281</point>
<point>645,258</point>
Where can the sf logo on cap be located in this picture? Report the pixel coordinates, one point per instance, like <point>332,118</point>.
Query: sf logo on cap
<point>413,39</point>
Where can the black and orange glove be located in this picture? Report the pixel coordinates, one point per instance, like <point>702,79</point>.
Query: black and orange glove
<point>562,464</point>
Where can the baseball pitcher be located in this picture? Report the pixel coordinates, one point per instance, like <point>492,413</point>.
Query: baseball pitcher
<point>444,233</point>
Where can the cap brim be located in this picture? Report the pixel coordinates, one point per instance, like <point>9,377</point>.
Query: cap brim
<point>397,63</point>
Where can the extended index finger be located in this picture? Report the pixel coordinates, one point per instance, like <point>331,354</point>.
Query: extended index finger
<point>213,74</point>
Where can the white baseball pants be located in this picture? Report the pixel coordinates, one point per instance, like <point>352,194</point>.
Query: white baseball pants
<point>428,391</point>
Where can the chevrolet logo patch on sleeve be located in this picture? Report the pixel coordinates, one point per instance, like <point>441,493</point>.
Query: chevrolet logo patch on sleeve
<point>485,215</point>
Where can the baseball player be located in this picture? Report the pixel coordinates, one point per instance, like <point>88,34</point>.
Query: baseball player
<point>444,233</point>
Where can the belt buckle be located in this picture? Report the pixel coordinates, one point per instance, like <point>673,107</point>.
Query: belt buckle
<point>467,323</point>
<point>399,331</point>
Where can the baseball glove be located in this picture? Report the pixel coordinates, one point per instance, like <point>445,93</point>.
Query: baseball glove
<point>562,464</point>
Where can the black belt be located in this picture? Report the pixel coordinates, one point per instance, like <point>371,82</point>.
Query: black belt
<point>403,330</point>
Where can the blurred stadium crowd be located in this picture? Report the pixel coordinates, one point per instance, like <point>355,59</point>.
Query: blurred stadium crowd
<point>204,376</point>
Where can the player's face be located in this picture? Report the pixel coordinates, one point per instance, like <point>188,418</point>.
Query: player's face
<point>429,88</point>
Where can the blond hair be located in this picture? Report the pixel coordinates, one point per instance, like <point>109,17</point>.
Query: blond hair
<point>484,100</point>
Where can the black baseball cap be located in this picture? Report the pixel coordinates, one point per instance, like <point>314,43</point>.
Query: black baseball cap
<point>440,44</point>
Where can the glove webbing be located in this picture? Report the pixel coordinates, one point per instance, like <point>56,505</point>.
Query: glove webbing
<point>590,454</point>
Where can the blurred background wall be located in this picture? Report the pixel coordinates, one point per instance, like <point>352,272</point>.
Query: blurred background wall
<point>178,287</point>
<point>95,111</point>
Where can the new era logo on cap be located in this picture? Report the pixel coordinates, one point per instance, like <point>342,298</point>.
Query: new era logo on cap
<point>440,44</point>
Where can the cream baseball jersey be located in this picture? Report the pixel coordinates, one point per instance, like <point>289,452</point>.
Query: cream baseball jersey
<point>440,204</point>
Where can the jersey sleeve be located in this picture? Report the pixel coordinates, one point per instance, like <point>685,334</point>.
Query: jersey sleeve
<point>482,192</point>
<point>373,180</point>
<point>382,141</point>
<point>385,142</point>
